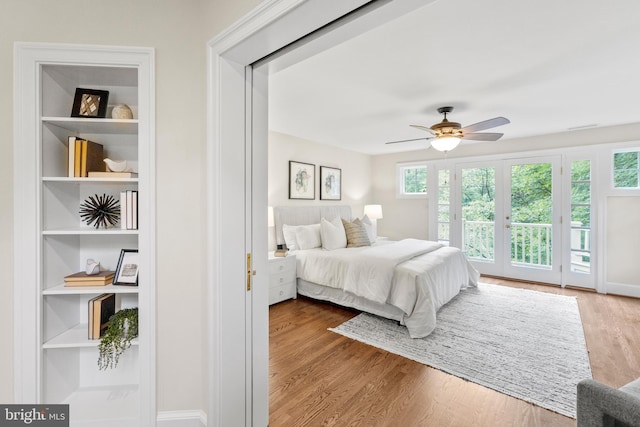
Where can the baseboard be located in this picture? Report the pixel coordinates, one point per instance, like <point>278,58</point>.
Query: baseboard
<point>193,418</point>
<point>623,289</point>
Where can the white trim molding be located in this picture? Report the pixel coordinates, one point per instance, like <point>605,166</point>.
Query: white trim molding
<point>193,418</point>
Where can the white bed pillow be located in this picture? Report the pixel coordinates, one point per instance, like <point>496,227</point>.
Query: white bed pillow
<point>308,236</point>
<point>332,234</point>
<point>289,234</point>
<point>371,230</point>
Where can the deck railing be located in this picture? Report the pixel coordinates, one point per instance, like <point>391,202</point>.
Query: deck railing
<point>531,244</point>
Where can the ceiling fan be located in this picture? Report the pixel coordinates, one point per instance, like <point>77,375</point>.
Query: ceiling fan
<point>446,135</point>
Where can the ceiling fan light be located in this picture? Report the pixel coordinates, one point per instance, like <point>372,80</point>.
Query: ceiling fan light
<point>445,142</point>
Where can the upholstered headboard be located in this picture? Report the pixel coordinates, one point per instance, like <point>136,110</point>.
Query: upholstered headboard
<point>305,215</point>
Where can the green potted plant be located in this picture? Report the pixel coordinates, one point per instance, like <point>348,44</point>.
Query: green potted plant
<point>122,329</point>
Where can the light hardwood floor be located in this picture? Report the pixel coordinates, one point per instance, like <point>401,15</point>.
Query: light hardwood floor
<point>319,378</point>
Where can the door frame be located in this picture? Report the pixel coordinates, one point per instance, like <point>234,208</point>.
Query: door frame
<point>232,344</point>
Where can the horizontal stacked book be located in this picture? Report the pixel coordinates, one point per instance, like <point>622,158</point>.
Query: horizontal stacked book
<point>83,279</point>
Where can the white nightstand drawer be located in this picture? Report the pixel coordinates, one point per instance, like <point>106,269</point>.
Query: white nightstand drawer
<point>281,264</point>
<point>281,293</point>
<point>283,278</point>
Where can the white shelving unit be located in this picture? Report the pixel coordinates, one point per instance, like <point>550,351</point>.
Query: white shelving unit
<point>55,361</point>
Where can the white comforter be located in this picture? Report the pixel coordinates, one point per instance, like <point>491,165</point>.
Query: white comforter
<point>416,276</point>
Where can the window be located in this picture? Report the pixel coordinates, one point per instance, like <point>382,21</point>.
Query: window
<point>626,169</point>
<point>412,179</point>
<point>444,206</point>
<point>581,216</point>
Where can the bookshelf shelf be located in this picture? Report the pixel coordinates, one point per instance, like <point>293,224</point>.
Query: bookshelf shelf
<point>56,362</point>
<point>67,180</point>
<point>75,337</point>
<point>88,231</point>
<point>89,290</point>
<point>82,125</point>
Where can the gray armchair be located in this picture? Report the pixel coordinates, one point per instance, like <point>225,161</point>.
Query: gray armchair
<point>602,406</point>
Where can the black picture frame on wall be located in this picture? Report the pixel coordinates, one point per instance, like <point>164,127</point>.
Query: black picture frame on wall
<point>302,182</point>
<point>330,183</point>
<point>90,103</point>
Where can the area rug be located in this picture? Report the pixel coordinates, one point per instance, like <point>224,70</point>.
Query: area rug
<point>526,344</point>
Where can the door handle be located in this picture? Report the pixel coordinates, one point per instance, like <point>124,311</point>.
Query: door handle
<point>507,226</point>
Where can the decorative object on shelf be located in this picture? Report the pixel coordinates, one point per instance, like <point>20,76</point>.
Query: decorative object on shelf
<point>330,183</point>
<point>100,211</point>
<point>122,111</point>
<point>118,165</point>
<point>127,269</point>
<point>93,267</point>
<point>302,180</point>
<point>122,329</point>
<point>280,252</point>
<point>90,103</point>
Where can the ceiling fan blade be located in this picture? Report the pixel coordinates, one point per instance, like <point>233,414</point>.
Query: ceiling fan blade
<point>487,124</point>
<point>424,128</point>
<point>409,140</point>
<point>482,136</point>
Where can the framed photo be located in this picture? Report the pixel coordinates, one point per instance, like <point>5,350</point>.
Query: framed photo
<point>330,183</point>
<point>127,269</point>
<point>302,183</point>
<point>90,103</point>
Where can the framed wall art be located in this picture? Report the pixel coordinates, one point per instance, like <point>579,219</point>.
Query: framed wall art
<point>127,269</point>
<point>302,182</point>
<point>330,183</point>
<point>90,103</point>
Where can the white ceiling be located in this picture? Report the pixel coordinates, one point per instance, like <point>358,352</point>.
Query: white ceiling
<point>547,65</point>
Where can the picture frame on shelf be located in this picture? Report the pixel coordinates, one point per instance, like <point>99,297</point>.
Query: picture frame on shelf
<point>127,268</point>
<point>330,183</point>
<point>90,103</point>
<point>302,180</point>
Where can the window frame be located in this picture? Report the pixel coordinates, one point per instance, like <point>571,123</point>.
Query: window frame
<point>400,190</point>
<point>612,171</point>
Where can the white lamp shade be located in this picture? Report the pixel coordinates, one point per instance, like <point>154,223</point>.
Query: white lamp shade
<point>373,211</point>
<point>445,143</point>
<point>270,219</point>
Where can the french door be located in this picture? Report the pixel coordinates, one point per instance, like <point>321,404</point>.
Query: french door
<point>508,218</point>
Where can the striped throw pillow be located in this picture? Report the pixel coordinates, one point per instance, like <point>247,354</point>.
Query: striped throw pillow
<point>356,234</point>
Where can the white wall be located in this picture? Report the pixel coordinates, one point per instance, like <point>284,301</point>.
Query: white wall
<point>622,241</point>
<point>179,32</point>
<point>356,172</point>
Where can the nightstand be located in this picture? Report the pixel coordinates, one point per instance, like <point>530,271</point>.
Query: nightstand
<point>282,278</point>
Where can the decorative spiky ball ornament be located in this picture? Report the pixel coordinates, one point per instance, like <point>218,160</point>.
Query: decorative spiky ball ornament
<point>100,211</point>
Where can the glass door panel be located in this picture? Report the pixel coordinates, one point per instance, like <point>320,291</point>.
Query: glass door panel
<point>531,222</point>
<point>478,210</point>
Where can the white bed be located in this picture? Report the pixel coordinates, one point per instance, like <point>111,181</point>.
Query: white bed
<point>407,281</point>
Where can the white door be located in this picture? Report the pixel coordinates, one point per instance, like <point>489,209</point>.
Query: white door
<point>509,217</point>
<point>531,219</point>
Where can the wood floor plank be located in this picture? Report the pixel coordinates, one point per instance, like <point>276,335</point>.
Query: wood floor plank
<point>319,378</point>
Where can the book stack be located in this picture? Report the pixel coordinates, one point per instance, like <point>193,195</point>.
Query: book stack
<point>95,174</point>
<point>83,279</point>
<point>84,156</point>
<point>129,210</point>
<point>101,308</point>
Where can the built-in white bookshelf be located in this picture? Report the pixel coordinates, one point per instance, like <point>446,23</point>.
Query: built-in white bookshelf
<point>55,360</point>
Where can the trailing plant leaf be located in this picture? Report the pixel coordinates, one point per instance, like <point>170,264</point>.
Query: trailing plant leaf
<point>122,329</point>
